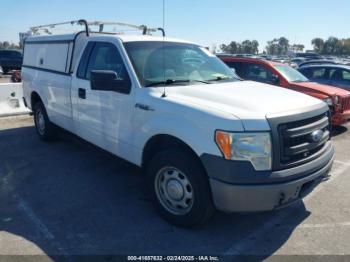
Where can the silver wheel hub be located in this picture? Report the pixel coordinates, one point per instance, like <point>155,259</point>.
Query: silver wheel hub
<point>40,122</point>
<point>174,190</point>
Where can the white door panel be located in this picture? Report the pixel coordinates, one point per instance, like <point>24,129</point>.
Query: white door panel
<point>103,117</point>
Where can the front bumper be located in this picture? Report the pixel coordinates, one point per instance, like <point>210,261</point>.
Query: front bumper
<point>265,196</point>
<point>340,118</point>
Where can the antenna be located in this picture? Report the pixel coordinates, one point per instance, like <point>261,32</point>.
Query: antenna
<point>162,29</point>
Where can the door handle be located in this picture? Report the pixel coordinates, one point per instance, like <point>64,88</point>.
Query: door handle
<point>82,93</point>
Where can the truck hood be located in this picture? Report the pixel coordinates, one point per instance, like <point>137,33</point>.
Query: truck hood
<point>249,101</point>
<point>320,88</point>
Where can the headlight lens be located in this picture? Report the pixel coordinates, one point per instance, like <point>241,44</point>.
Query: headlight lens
<point>336,100</point>
<point>252,147</point>
<point>329,101</point>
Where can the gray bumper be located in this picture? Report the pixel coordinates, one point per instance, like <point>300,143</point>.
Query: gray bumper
<point>229,197</point>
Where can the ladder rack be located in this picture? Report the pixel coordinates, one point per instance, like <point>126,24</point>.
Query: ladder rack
<point>101,24</point>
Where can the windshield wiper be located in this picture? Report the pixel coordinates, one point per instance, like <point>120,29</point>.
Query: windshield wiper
<point>172,81</point>
<point>220,78</point>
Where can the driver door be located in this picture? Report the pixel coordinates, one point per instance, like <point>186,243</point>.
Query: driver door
<point>102,117</point>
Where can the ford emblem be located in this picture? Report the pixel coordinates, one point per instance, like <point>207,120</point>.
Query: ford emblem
<point>316,136</point>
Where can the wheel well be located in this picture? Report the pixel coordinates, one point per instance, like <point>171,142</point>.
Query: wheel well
<point>34,99</point>
<point>159,143</point>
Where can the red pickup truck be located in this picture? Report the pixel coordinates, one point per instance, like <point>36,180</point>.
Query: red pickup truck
<point>285,76</point>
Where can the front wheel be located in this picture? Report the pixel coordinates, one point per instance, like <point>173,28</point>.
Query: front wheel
<point>180,188</point>
<point>44,128</point>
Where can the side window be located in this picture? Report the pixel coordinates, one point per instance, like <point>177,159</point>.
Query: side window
<point>307,73</point>
<point>84,60</point>
<point>258,73</point>
<point>238,66</point>
<point>346,75</point>
<point>336,74</point>
<point>318,73</point>
<point>105,56</point>
<point>339,75</point>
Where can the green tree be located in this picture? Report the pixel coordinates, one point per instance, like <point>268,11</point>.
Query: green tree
<point>278,46</point>
<point>318,44</point>
<point>332,46</point>
<point>246,47</point>
<point>255,47</point>
<point>272,47</point>
<point>297,48</point>
<point>283,45</point>
<point>346,46</point>
<point>231,48</point>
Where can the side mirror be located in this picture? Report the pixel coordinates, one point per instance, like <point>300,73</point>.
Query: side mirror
<point>106,80</point>
<point>275,79</point>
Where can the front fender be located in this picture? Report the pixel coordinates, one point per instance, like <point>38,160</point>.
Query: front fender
<point>198,135</point>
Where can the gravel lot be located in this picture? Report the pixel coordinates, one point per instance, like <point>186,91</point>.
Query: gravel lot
<point>71,198</point>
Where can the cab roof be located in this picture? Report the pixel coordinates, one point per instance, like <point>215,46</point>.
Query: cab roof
<point>247,60</point>
<point>140,38</point>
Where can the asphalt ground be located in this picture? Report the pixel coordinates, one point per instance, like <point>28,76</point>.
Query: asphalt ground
<point>5,79</point>
<point>71,198</point>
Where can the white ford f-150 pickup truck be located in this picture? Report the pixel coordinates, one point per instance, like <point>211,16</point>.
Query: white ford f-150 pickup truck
<point>206,139</point>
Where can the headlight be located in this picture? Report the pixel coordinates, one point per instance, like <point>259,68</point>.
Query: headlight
<point>252,147</point>
<point>329,101</point>
<point>336,100</point>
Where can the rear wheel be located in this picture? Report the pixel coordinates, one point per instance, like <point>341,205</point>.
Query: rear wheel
<point>44,128</point>
<point>180,188</point>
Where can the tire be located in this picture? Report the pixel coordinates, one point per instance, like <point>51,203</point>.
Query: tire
<point>44,128</point>
<point>176,177</point>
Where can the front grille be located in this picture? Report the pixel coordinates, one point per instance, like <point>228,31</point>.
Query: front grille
<point>295,139</point>
<point>345,103</point>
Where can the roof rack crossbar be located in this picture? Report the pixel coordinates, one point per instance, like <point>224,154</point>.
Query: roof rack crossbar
<point>145,30</point>
<point>46,28</point>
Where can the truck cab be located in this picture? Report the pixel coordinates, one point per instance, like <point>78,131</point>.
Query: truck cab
<point>10,60</point>
<point>205,139</point>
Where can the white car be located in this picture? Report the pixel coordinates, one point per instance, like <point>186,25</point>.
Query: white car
<point>205,139</point>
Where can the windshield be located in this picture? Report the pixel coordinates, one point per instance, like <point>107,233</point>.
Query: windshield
<point>176,63</point>
<point>291,74</point>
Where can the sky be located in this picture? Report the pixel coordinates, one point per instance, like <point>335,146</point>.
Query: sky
<point>205,22</point>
